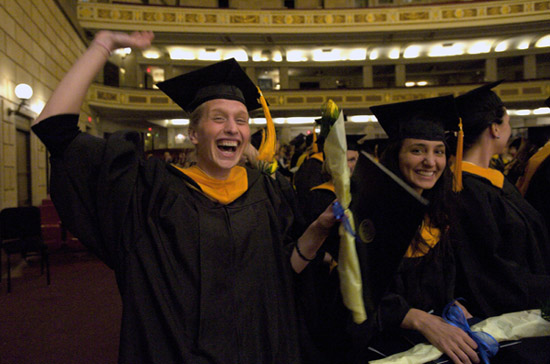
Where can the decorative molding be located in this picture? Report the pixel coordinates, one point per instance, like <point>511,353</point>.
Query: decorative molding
<point>154,100</point>
<point>175,19</point>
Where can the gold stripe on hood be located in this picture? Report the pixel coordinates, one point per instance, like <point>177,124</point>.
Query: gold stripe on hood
<point>492,175</point>
<point>224,191</point>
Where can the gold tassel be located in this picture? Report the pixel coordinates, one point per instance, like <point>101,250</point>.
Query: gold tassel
<point>457,182</point>
<point>267,148</point>
<point>314,146</point>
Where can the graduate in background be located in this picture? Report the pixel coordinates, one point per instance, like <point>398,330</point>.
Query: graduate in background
<point>326,317</point>
<point>503,252</point>
<point>203,256</point>
<point>534,185</point>
<point>309,169</point>
<point>424,284</point>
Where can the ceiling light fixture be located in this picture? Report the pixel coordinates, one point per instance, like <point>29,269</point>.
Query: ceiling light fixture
<point>394,53</point>
<point>412,52</point>
<point>179,121</point>
<point>523,45</point>
<point>543,42</point>
<point>501,47</point>
<point>373,55</point>
<point>177,53</point>
<point>239,54</point>
<point>359,54</point>
<point>480,47</point>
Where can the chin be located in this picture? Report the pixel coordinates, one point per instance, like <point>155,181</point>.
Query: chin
<point>228,164</point>
<point>427,186</point>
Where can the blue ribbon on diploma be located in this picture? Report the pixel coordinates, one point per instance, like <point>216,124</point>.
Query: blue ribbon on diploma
<point>487,346</point>
<point>339,214</point>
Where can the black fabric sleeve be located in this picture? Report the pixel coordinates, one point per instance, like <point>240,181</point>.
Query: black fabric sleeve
<point>92,181</point>
<point>538,192</point>
<point>57,132</point>
<point>392,310</point>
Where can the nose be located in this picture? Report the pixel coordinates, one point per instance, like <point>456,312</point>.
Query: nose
<point>429,160</point>
<point>230,126</point>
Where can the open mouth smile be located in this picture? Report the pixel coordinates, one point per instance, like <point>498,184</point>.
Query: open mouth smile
<point>426,173</point>
<point>228,145</point>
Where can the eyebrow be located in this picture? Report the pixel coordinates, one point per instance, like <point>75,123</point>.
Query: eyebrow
<point>442,145</point>
<point>222,111</point>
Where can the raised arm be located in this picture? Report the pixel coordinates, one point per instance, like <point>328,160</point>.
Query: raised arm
<point>71,91</point>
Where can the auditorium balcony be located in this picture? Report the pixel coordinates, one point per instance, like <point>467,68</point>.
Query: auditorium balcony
<point>301,53</point>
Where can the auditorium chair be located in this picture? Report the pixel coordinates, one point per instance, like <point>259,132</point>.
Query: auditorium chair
<point>21,233</point>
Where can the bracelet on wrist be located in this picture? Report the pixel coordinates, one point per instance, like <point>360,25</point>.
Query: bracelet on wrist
<point>103,45</point>
<point>303,256</point>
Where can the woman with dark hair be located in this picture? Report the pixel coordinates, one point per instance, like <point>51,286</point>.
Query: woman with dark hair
<point>424,284</point>
<point>503,258</point>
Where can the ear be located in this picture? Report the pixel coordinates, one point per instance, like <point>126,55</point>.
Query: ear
<point>494,129</point>
<point>193,136</point>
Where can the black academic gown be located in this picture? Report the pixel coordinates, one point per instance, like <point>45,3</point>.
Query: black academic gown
<point>200,282</point>
<point>326,319</point>
<point>538,191</point>
<point>503,252</point>
<point>306,177</point>
<point>425,283</point>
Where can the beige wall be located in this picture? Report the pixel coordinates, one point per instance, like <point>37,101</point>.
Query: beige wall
<point>37,47</point>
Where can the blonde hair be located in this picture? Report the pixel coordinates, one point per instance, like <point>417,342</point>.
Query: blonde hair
<point>196,117</point>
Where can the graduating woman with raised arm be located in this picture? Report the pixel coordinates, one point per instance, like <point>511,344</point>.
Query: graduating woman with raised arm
<point>203,256</point>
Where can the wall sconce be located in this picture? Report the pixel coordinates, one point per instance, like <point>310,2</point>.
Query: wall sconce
<point>23,92</point>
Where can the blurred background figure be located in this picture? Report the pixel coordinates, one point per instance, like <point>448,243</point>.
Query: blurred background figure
<point>503,254</point>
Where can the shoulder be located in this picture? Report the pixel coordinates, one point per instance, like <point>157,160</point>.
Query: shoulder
<point>476,185</point>
<point>478,193</point>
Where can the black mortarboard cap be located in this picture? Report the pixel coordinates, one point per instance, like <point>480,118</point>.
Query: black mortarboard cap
<point>352,141</point>
<point>387,213</point>
<point>426,119</point>
<point>476,96</point>
<point>478,108</point>
<point>222,80</point>
<point>298,140</point>
<point>256,138</point>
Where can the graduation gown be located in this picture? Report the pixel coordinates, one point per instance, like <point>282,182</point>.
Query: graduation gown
<point>502,248</point>
<point>308,176</point>
<point>200,282</point>
<point>326,319</point>
<point>537,189</point>
<point>425,282</point>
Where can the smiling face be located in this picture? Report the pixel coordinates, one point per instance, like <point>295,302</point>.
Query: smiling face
<point>220,136</point>
<point>421,162</point>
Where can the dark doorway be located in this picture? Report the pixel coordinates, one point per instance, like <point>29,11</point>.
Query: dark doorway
<point>111,74</point>
<point>22,146</point>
